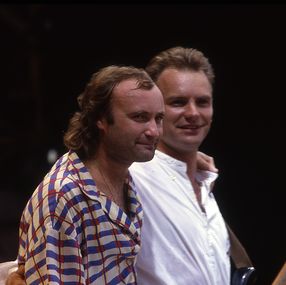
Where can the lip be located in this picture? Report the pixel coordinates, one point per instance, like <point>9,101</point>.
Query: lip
<point>148,145</point>
<point>192,130</point>
<point>190,127</point>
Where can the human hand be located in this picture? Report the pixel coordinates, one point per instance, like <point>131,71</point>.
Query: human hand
<point>205,162</point>
<point>17,277</point>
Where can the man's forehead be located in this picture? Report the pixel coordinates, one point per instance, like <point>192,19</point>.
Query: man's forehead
<point>130,98</point>
<point>126,86</point>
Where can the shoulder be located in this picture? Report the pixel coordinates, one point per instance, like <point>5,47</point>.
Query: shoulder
<point>57,191</point>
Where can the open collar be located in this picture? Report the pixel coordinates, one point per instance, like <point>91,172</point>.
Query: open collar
<point>82,177</point>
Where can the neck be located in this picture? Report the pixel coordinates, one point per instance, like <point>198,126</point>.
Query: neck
<point>112,169</point>
<point>109,177</point>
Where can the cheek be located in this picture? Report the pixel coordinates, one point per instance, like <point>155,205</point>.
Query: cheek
<point>172,115</point>
<point>160,129</point>
<point>169,123</point>
<point>208,115</point>
<point>133,131</point>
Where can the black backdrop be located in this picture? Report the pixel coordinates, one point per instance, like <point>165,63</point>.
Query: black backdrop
<point>48,53</point>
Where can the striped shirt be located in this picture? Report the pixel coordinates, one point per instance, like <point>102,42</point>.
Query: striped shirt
<point>71,233</point>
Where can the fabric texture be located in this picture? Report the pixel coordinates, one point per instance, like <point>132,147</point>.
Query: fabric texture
<point>71,233</point>
<point>181,244</point>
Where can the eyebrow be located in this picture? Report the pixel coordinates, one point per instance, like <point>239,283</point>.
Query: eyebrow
<point>205,96</point>
<point>143,112</point>
<point>172,97</point>
<point>162,114</point>
<point>138,113</point>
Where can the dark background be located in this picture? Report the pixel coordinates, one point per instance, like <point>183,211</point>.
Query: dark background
<point>48,53</point>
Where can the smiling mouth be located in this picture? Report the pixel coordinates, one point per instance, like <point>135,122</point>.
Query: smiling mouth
<point>190,127</point>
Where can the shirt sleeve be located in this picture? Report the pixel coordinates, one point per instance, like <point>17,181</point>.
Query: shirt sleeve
<point>53,258</point>
<point>49,245</point>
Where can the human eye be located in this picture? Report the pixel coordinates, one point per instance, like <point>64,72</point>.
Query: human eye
<point>159,119</point>
<point>140,117</point>
<point>204,101</point>
<point>177,102</point>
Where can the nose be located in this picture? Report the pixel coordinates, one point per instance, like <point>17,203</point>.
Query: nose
<point>191,110</point>
<point>153,129</point>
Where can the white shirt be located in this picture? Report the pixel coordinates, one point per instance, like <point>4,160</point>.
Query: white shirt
<point>181,245</point>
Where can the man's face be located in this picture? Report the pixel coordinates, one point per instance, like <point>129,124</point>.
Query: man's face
<point>137,126</point>
<point>188,109</point>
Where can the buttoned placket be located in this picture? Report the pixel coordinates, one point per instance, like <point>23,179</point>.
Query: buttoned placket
<point>179,168</point>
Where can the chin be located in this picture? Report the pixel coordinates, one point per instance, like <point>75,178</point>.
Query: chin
<point>145,157</point>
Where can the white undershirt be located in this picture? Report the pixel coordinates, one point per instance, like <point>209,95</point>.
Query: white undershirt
<point>181,245</point>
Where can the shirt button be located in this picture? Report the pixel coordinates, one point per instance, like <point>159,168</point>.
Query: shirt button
<point>129,261</point>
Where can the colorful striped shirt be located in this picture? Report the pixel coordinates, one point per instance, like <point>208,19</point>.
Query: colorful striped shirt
<point>71,233</point>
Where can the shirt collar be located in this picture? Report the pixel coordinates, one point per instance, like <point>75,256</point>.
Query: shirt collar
<point>173,162</point>
<point>81,175</point>
<point>202,176</point>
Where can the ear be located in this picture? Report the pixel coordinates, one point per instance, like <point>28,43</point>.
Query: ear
<point>101,124</point>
